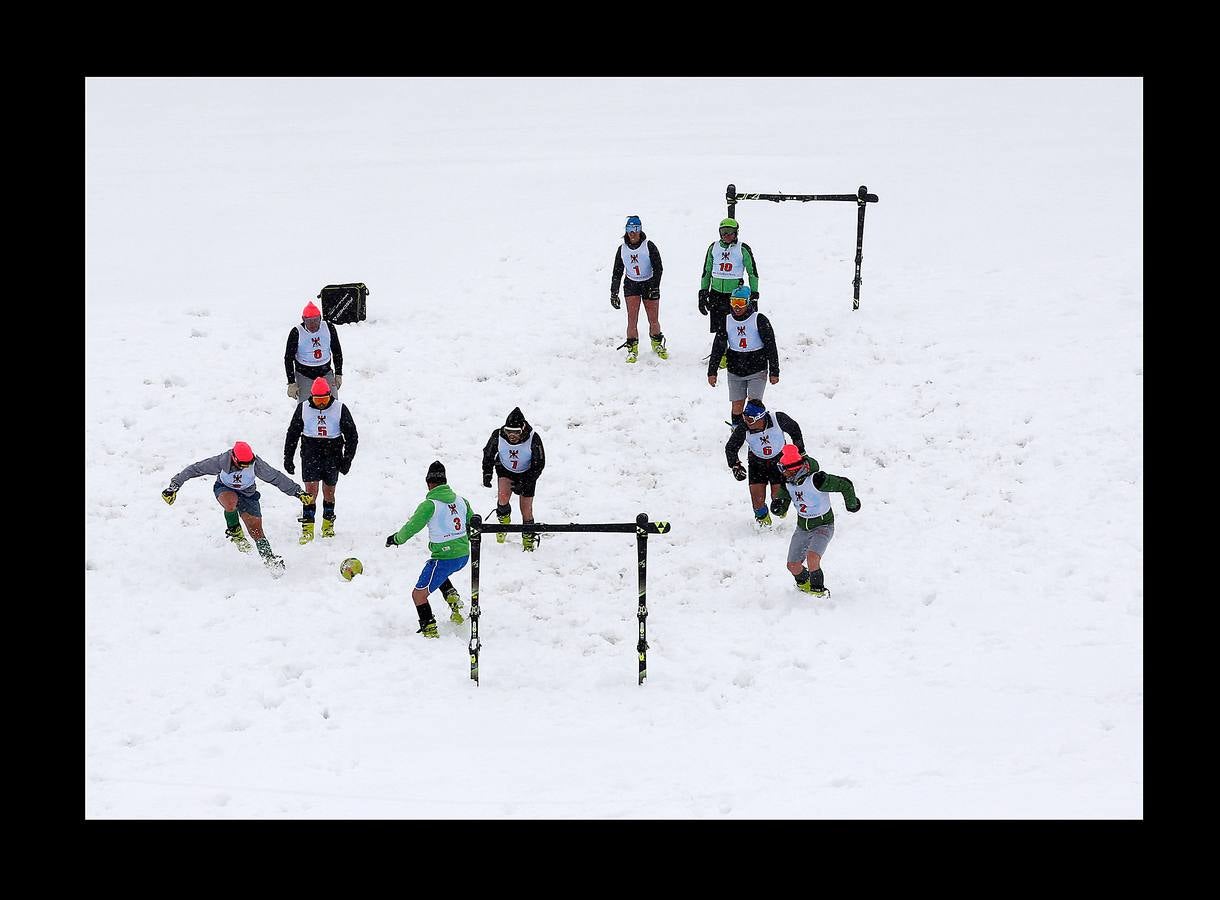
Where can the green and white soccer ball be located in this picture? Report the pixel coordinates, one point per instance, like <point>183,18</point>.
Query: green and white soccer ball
<point>350,568</point>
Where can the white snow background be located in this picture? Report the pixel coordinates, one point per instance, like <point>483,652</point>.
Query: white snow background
<point>981,654</point>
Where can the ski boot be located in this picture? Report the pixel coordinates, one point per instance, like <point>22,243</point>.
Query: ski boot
<point>306,533</point>
<point>238,537</point>
<point>529,541</point>
<point>780,505</point>
<point>762,517</point>
<point>501,537</point>
<point>274,564</point>
<point>658,346</point>
<point>428,629</point>
<point>328,528</point>
<point>633,350</point>
<point>814,587</point>
<point>455,603</point>
<point>724,361</point>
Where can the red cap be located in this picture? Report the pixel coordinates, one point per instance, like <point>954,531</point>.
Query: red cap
<point>242,452</point>
<point>321,387</point>
<point>790,456</point>
<point>311,311</point>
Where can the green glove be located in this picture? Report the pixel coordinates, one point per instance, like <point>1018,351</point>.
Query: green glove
<point>169,495</point>
<point>306,499</point>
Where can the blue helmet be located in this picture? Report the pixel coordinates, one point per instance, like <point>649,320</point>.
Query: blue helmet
<point>754,409</point>
<point>742,291</point>
<point>740,304</point>
<point>634,224</point>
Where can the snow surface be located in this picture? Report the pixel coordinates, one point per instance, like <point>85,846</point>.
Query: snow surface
<point>981,656</point>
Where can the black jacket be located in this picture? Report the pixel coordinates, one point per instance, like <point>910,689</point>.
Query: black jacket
<point>783,420</point>
<point>290,356</point>
<point>516,419</point>
<point>751,363</point>
<point>653,283</point>
<point>345,443</point>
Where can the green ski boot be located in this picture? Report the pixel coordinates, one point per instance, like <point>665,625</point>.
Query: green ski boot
<point>306,533</point>
<point>501,537</point>
<point>633,350</point>
<point>724,361</point>
<point>529,541</point>
<point>328,528</point>
<point>428,630</point>
<point>455,604</point>
<point>764,519</point>
<point>658,346</point>
<point>238,537</point>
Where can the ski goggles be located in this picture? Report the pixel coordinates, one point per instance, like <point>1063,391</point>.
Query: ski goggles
<point>728,232</point>
<point>739,303</point>
<point>237,463</point>
<point>750,420</point>
<point>513,434</point>
<point>313,323</point>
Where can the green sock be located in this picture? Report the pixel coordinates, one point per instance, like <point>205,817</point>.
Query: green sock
<point>231,519</point>
<point>264,547</point>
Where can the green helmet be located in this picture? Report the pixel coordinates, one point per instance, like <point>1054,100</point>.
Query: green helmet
<point>728,223</point>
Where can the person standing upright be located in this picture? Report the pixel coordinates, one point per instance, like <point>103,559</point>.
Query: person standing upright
<point>726,266</point>
<point>763,432</point>
<point>310,352</point>
<point>638,261</point>
<point>752,352</point>
<point>324,426</point>
<point>516,453</point>
<point>810,489</point>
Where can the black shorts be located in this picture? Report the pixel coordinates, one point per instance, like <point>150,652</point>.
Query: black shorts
<point>644,289</point>
<point>717,311</point>
<point>522,485</point>
<point>320,460</point>
<point>763,471</point>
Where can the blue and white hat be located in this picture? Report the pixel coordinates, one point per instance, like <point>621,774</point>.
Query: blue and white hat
<point>754,409</point>
<point>634,224</point>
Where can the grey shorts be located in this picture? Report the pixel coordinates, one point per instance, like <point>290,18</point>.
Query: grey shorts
<point>805,542</point>
<point>742,387</point>
<point>246,503</point>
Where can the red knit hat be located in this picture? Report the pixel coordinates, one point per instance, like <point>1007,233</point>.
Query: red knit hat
<point>790,456</point>
<point>311,311</point>
<point>242,452</point>
<point>321,388</point>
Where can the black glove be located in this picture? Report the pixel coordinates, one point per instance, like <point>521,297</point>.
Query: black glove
<point>289,467</point>
<point>169,495</point>
<point>390,542</point>
<point>703,295</point>
<point>614,300</point>
<point>739,471</point>
<point>851,508</point>
<point>345,466</point>
<point>486,479</point>
<point>753,295</point>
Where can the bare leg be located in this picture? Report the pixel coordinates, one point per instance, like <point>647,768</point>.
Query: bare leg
<point>653,309</point>
<point>633,316</point>
<point>527,507</point>
<point>254,525</point>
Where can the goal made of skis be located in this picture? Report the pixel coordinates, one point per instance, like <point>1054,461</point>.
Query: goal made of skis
<point>642,528</point>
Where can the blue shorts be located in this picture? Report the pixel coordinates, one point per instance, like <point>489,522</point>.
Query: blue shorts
<point>247,504</point>
<point>437,570</point>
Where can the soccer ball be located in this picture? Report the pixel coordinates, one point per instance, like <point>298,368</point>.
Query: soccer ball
<point>350,568</point>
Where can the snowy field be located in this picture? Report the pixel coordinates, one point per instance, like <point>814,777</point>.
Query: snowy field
<point>981,654</point>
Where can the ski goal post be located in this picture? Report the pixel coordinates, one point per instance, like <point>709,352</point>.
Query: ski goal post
<point>861,198</point>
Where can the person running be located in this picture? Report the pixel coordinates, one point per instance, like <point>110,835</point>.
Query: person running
<point>764,433</point>
<point>324,426</point>
<point>751,348</point>
<point>447,518</point>
<point>810,489</point>
<point>726,266</point>
<point>310,352</point>
<point>237,471</point>
<point>639,260</point>
<point>517,455</point>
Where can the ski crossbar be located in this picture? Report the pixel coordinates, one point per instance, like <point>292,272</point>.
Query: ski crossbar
<point>641,527</point>
<point>861,197</point>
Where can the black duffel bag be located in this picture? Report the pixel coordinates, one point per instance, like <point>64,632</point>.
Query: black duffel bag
<point>344,303</point>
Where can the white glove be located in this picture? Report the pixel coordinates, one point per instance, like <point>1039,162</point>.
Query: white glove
<point>337,381</point>
<point>294,391</point>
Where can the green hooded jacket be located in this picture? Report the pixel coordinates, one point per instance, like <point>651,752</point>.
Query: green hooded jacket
<point>451,549</point>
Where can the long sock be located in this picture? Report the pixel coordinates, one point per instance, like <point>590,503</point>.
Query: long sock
<point>425,613</point>
<point>310,511</point>
<point>264,547</point>
<point>816,578</point>
<point>802,576</point>
<point>738,418</point>
<point>760,512</point>
<point>231,519</point>
<point>504,510</point>
<point>328,510</point>
<point>447,588</point>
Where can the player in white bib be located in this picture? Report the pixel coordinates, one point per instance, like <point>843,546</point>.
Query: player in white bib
<point>312,351</point>
<point>749,344</point>
<point>637,262</point>
<point>763,432</point>
<point>515,452</point>
<point>327,432</point>
<point>810,489</point>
